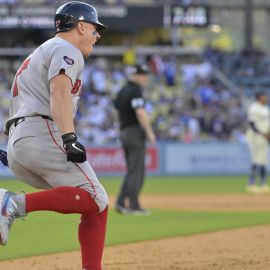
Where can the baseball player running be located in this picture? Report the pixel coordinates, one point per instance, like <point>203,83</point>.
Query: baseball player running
<point>43,149</point>
<point>257,138</point>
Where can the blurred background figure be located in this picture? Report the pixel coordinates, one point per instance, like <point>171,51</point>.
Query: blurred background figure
<point>135,128</point>
<point>258,135</point>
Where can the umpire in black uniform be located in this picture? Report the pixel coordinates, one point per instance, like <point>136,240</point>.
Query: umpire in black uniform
<point>135,128</point>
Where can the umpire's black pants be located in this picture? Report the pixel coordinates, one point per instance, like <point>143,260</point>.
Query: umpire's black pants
<point>133,140</point>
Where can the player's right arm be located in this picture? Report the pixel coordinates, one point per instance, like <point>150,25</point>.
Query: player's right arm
<point>253,127</point>
<point>137,103</point>
<point>62,75</point>
<point>253,119</point>
<point>62,113</point>
<point>61,103</point>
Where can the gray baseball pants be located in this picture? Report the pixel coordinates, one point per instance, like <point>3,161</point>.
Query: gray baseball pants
<point>36,156</point>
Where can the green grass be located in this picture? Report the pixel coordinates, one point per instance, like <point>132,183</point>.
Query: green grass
<point>168,185</point>
<point>49,232</point>
<point>185,184</point>
<point>45,232</point>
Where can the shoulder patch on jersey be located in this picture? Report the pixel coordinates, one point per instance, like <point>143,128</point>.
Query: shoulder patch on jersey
<point>68,60</point>
<point>137,103</point>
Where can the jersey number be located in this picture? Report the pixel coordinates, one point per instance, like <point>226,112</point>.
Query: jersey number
<point>19,72</point>
<point>76,88</point>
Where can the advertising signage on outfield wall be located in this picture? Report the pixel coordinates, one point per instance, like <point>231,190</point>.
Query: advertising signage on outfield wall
<point>118,17</point>
<point>172,159</point>
<point>111,159</point>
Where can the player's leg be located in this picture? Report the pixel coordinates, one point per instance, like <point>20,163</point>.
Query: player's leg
<point>39,162</point>
<point>253,157</point>
<point>44,155</point>
<point>13,205</point>
<point>252,174</point>
<point>263,161</point>
<point>253,150</point>
<point>120,205</point>
<point>92,228</point>
<point>92,231</point>
<point>136,176</point>
<point>128,140</point>
<point>61,199</point>
<point>262,173</point>
<point>134,142</point>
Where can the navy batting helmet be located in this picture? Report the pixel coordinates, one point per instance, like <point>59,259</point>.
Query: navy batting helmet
<point>70,13</point>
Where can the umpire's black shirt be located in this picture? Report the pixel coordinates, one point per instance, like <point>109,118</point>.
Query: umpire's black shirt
<point>128,99</point>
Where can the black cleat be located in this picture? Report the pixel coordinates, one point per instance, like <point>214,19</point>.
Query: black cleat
<point>121,209</point>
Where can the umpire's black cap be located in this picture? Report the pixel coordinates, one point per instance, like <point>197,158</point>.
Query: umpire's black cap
<point>139,69</point>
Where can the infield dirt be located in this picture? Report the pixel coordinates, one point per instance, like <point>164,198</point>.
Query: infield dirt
<point>240,249</point>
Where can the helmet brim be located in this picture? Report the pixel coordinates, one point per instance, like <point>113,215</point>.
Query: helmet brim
<point>100,26</point>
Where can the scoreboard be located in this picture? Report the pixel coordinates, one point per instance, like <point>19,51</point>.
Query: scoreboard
<point>188,16</point>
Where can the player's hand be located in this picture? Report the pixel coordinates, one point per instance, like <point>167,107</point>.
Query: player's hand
<point>3,157</point>
<point>75,150</point>
<point>267,136</point>
<point>152,138</point>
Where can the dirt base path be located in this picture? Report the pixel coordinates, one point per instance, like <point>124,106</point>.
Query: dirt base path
<point>241,249</point>
<point>209,202</point>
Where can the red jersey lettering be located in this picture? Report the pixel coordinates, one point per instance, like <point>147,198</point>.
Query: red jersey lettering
<point>77,86</point>
<point>19,72</point>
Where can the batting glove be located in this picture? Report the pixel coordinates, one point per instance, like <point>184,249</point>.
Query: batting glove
<point>75,150</point>
<point>3,157</point>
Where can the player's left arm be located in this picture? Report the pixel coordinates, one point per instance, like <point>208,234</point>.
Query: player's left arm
<point>253,127</point>
<point>253,119</point>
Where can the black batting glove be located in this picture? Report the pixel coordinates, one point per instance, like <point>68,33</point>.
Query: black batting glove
<point>3,157</point>
<point>75,150</point>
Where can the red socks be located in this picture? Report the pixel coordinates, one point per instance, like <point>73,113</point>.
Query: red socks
<point>65,200</point>
<point>92,230</point>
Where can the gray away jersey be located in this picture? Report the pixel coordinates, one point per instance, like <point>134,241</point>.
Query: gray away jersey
<point>30,93</point>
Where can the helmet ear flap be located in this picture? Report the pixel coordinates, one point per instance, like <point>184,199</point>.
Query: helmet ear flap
<point>64,23</point>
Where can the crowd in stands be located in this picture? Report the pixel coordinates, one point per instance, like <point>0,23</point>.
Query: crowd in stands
<point>248,69</point>
<point>185,101</point>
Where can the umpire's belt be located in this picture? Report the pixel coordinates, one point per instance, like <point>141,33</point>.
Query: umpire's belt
<point>21,119</point>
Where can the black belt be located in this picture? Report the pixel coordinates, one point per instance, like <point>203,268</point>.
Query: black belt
<point>21,119</point>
